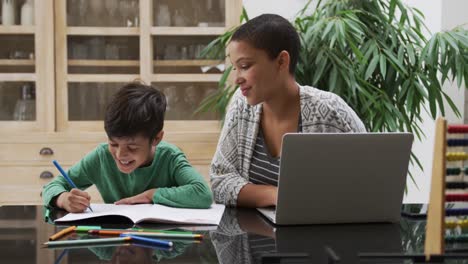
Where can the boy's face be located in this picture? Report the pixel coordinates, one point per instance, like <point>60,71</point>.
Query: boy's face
<point>130,153</point>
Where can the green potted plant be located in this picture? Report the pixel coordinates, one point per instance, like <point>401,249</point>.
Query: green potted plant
<point>375,56</point>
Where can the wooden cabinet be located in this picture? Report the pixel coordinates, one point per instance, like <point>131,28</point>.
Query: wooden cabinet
<point>26,71</point>
<point>78,53</point>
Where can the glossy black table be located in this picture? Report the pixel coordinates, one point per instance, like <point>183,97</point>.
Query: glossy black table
<point>242,237</point>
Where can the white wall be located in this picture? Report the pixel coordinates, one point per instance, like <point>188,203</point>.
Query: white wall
<point>423,148</point>
<point>439,15</point>
<point>287,9</point>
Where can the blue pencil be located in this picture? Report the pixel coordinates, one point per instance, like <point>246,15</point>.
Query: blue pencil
<point>150,241</point>
<point>65,175</point>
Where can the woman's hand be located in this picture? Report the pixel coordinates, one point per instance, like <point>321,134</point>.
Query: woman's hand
<point>257,195</point>
<point>142,198</point>
<point>75,201</point>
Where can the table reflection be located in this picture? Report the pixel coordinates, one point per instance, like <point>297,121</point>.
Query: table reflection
<point>247,237</point>
<point>243,236</point>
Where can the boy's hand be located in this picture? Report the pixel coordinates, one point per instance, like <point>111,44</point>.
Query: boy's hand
<point>142,198</point>
<point>75,201</point>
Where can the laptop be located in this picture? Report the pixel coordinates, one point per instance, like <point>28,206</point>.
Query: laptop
<point>330,178</point>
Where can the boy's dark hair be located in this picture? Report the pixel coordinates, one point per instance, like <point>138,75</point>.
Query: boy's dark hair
<point>136,109</point>
<point>273,34</point>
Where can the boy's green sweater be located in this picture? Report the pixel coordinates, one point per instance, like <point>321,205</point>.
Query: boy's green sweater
<point>177,183</point>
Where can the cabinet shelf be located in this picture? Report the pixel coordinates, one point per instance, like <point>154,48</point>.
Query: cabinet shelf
<point>187,62</point>
<point>102,77</point>
<point>18,77</point>
<point>135,31</point>
<point>104,63</point>
<point>4,30</point>
<point>123,63</point>
<point>203,128</point>
<point>154,77</point>
<point>185,77</point>
<point>103,31</point>
<point>9,62</point>
<point>187,31</point>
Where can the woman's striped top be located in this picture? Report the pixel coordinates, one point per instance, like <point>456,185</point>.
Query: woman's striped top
<point>264,168</point>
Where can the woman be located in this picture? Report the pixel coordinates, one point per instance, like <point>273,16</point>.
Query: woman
<point>268,104</point>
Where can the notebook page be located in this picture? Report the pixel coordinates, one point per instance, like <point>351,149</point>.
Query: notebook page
<point>107,209</point>
<point>161,213</point>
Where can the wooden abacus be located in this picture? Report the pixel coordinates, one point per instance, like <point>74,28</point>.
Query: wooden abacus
<point>444,182</point>
<point>434,244</point>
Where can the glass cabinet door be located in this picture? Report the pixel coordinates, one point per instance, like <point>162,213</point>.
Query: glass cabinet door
<point>189,13</point>
<point>26,66</point>
<point>181,54</point>
<point>103,54</point>
<point>87,100</point>
<point>183,99</point>
<point>181,30</point>
<point>98,51</point>
<point>17,53</point>
<point>103,13</point>
<point>17,98</point>
<point>101,45</point>
<point>17,101</point>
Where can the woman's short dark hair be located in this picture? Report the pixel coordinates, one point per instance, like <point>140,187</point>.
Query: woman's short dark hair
<point>273,34</point>
<point>136,109</point>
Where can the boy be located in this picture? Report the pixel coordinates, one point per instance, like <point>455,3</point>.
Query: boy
<point>135,166</point>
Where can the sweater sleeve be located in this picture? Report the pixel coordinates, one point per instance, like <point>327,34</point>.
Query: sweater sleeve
<point>78,173</point>
<point>349,118</point>
<point>191,190</point>
<point>226,180</point>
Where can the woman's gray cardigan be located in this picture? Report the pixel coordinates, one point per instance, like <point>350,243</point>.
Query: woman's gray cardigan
<point>320,112</point>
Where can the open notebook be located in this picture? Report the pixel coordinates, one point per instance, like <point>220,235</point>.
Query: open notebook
<point>149,213</point>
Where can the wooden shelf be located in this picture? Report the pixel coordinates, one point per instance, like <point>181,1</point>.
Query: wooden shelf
<point>8,62</point>
<point>104,63</point>
<point>201,126</point>
<point>18,77</point>
<point>128,63</point>
<point>185,77</point>
<point>104,78</point>
<point>4,30</point>
<point>103,31</point>
<point>168,63</point>
<point>135,31</point>
<point>154,77</point>
<point>187,31</point>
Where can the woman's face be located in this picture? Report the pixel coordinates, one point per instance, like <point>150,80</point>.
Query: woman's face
<point>257,75</point>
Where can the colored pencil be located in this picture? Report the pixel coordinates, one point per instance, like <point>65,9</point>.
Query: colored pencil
<point>62,233</point>
<point>110,244</point>
<point>141,233</point>
<point>149,241</point>
<point>87,241</point>
<point>86,228</point>
<point>65,175</point>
